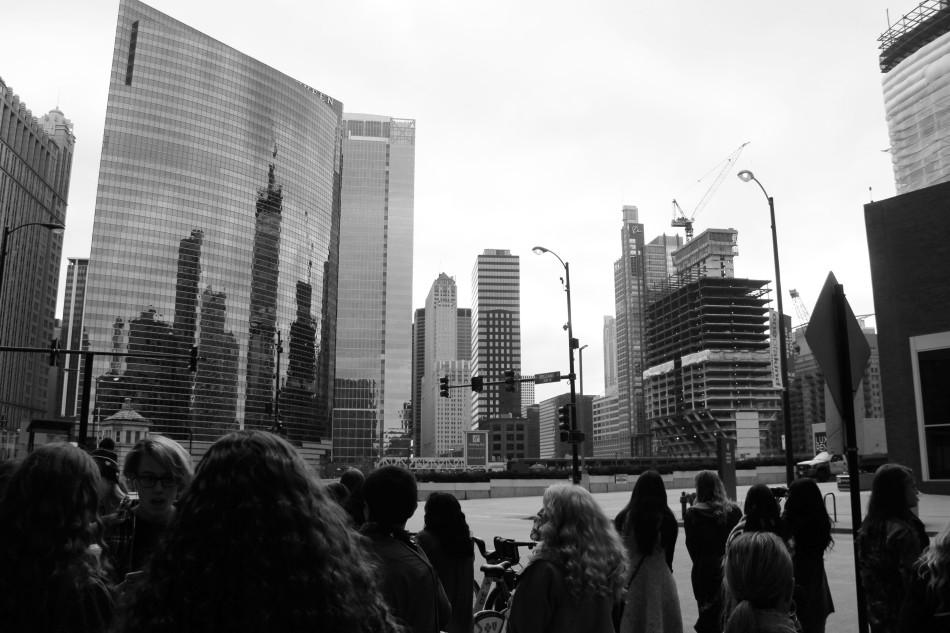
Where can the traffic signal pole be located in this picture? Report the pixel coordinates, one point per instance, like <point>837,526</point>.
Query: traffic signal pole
<point>571,344</point>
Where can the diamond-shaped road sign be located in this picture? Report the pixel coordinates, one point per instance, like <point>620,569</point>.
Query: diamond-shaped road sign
<point>822,336</point>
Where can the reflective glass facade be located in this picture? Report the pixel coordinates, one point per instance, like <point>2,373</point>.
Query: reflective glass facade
<point>372,394</point>
<point>216,226</point>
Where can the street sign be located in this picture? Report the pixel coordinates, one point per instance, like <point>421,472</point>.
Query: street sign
<point>822,337</point>
<point>551,376</point>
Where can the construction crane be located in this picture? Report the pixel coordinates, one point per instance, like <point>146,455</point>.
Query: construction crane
<point>680,219</point>
<point>803,314</point>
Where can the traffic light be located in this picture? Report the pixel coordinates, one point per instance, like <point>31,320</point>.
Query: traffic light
<point>509,380</point>
<point>478,384</point>
<point>564,422</point>
<point>444,387</point>
<point>54,352</point>
<point>193,360</point>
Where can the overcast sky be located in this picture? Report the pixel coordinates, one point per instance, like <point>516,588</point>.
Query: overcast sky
<point>536,121</point>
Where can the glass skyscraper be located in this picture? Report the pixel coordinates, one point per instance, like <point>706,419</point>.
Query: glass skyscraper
<point>217,225</point>
<point>372,393</point>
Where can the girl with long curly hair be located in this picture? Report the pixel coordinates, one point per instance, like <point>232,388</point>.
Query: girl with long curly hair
<point>51,578</point>
<point>447,541</point>
<point>890,540</point>
<point>649,531</point>
<point>809,528</point>
<point>927,607</point>
<point>759,582</point>
<point>707,525</point>
<point>577,571</point>
<point>256,545</point>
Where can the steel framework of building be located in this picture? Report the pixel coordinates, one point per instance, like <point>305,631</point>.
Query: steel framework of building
<point>707,354</point>
<point>925,23</point>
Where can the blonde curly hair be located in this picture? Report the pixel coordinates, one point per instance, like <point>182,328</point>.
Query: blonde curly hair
<point>576,535</point>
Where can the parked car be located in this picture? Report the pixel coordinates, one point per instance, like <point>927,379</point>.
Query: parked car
<point>822,466</point>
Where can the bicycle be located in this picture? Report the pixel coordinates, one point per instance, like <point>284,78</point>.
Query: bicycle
<point>501,570</point>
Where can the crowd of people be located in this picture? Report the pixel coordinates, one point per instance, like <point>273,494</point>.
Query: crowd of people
<point>250,540</point>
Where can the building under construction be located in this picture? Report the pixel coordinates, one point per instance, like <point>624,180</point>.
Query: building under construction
<point>709,368</point>
<point>916,83</point>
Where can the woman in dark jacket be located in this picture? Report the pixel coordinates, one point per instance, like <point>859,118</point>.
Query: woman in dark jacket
<point>890,540</point>
<point>809,529</point>
<point>577,571</point>
<point>707,524</point>
<point>447,541</point>
<point>927,607</point>
<point>649,531</point>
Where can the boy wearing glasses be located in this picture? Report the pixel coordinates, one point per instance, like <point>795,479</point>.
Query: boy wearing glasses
<point>158,468</point>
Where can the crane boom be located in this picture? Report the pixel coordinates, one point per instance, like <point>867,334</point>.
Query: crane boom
<point>680,219</point>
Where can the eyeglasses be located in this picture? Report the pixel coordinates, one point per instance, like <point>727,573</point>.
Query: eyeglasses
<point>149,481</point>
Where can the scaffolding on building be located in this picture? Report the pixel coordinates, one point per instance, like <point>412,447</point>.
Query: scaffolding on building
<point>920,26</point>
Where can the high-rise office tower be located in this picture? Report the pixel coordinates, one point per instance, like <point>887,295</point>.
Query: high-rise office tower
<point>444,420</point>
<point>496,333</point>
<point>418,372</point>
<point>71,336</point>
<point>374,325</point>
<point>610,355</point>
<point>640,270</point>
<point>36,156</point>
<point>913,54</point>
<point>217,226</point>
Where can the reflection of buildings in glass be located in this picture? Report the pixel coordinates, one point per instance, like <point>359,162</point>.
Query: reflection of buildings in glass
<point>262,330</point>
<point>186,315</point>
<point>151,382</point>
<point>214,400</point>
<point>180,152</point>
<point>296,395</point>
<point>375,288</point>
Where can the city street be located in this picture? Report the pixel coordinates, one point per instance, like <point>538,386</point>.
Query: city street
<point>511,518</point>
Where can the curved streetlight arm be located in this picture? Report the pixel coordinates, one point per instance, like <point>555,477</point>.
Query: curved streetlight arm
<point>575,467</point>
<point>52,226</point>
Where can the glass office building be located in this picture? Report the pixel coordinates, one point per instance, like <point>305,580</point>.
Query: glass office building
<point>372,416</point>
<point>216,227</point>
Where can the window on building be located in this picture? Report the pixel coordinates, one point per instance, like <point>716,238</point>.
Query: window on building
<point>930,356</point>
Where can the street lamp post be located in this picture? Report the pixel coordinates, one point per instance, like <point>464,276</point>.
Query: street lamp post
<point>55,227</point>
<point>747,176</point>
<point>571,346</point>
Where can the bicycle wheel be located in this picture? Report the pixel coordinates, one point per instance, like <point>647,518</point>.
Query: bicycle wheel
<point>488,622</point>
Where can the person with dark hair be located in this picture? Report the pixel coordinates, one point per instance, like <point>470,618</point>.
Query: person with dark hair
<point>577,571</point>
<point>410,584</point>
<point>927,606</point>
<point>890,540</point>
<point>761,513</point>
<point>353,479</point>
<point>159,469</point>
<point>809,528</point>
<point>256,545</point>
<point>707,525</point>
<point>447,541</point>
<point>7,467</point>
<point>649,531</point>
<point>51,576</point>
<point>338,492</point>
<point>759,582</point>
